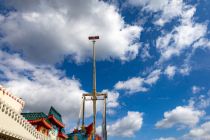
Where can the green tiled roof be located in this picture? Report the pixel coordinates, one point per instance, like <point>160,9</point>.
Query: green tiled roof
<point>55,113</point>
<point>34,116</point>
<point>48,121</point>
<point>63,130</point>
<point>79,135</point>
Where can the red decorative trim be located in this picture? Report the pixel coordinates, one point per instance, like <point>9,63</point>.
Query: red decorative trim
<point>47,124</point>
<point>56,121</point>
<point>62,135</point>
<point>38,128</point>
<point>42,120</point>
<point>34,121</point>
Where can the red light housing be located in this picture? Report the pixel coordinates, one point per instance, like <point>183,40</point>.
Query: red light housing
<point>93,37</point>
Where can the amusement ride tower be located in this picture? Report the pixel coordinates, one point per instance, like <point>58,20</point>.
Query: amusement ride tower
<point>94,96</point>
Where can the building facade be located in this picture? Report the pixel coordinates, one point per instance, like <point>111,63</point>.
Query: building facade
<point>27,126</point>
<point>50,125</point>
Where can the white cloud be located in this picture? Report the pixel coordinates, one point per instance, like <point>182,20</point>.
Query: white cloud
<point>138,84</point>
<point>138,2</point>
<point>201,133</point>
<point>168,138</point>
<point>170,71</point>
<point>185,70</point>
<point>43,86</point>
<point>168,9</point>
<point>126,126</point>
<point>112,101</point>
<point>135,84</point>
<point>181,37</point>
<point>202,101</point>
<point>203,43</point>
<point>112,98</point>
<point>173,44</point>
<point>145,52</point>
<point>187,34</point>
<point>196,89</point>
<point>152,5</point>
<point>171,10</point>
<point>61,29</point>
<point>153,77</point>
<point>180,116</point>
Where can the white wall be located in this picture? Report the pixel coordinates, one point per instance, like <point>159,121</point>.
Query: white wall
<point>16,103</point>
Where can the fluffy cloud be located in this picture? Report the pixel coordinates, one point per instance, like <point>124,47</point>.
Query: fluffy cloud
<point>181,116</point>
<point>135,84</point>
<point>112,101</point>
<point>145,54</point>
<point>196,89</point>
<point>203,42</point>
<point>168,138</point>
<point>153,77</point>
<point>152,5</point>
<point>168,9</point>
<point>138,84</point>
<point>172,9</point>
<point>126,126</point>
<point>185,70</point>
<point>201,133</point>
<point>202,101</point>
<point>170,71</point>
<point>173,44</point>
<point>181,37</point>
<point>112,98</point>
<point>40,86</point>
<point>58,28</point>
<point>43,86</point>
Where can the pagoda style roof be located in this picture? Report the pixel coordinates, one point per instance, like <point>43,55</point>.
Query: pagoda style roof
<point>62,134</point>
<point>55,116</point>
<point>55,113</point>
<point>63,130</point>
<point>34,115</point>
<point>37,117</point>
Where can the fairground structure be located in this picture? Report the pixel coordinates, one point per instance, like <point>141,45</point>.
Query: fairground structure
<point>15,125</point>
<point>83,133</point>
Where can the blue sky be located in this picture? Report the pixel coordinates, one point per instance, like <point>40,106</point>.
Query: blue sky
<point>152,60</point>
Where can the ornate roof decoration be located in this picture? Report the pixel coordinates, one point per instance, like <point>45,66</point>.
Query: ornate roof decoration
<point>55,116</point>
<point>62,135</point>
<point>51,117</point>
<point>34,115</point>
<point>55,113</point>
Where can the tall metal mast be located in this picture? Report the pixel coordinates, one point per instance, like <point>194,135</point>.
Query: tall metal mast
<point>93,39</point>
<point>94,96</point>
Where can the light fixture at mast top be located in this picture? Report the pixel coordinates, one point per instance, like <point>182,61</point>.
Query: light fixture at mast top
<point>93,38</point>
